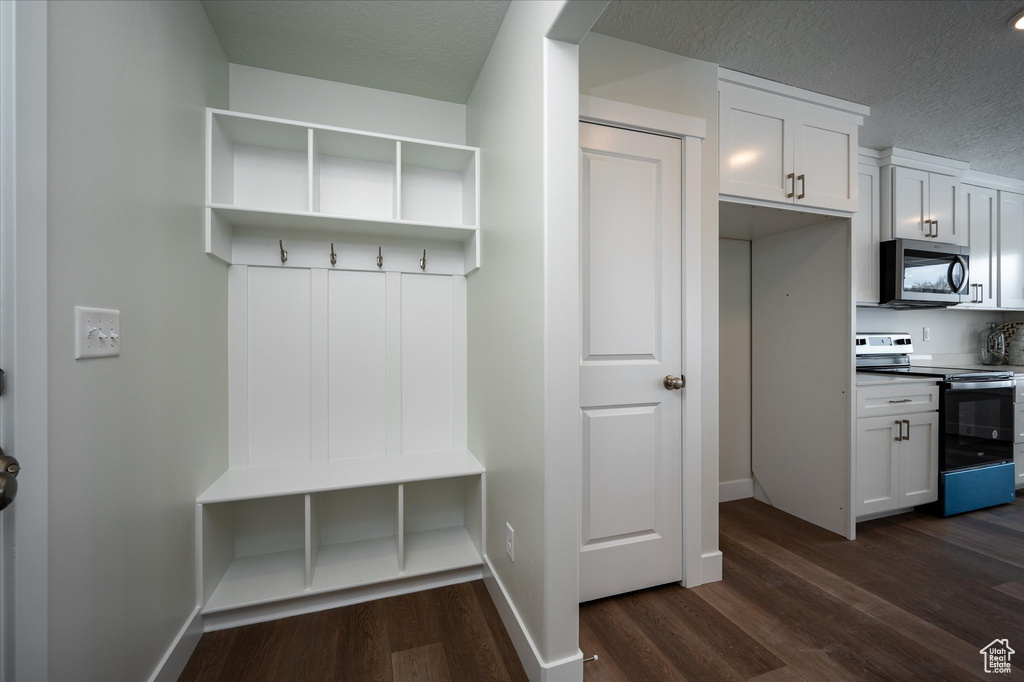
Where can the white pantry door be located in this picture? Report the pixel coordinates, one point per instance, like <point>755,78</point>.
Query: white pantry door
<point>630,328</point>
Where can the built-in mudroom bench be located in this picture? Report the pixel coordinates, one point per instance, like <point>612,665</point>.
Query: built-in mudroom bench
<point>349,475</point>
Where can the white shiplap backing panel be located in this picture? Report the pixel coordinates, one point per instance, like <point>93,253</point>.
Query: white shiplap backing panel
<point>339,364</point>
<point>279,366</point>
<point>356,334</point>
<point>426,363</point>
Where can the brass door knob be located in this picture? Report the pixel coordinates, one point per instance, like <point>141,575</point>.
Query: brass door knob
<point>674,383</point>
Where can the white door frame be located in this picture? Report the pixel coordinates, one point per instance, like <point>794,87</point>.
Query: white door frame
<point>23,594</point>
<point>692,132</point>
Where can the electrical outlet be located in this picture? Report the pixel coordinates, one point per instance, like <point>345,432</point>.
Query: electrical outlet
<point>97,333</point>
<point>926,334</point>
<point>510,541</point>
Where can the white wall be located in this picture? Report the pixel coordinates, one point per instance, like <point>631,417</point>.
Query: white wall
<point>271,93</point>
<point>506,304</point>
<point>132,439</point>
<point>626,72</point>
<point>952,331</point>
<point>734,374</point>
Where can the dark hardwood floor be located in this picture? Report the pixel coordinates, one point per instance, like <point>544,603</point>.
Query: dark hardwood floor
<point>450,633</point>
<point>913,598</point>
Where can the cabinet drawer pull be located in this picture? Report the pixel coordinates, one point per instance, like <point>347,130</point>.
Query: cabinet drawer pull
<point>904,400</point>
<point>899,424</point>
<point>791,176</point>
<point>907,422</point>
<point>803,186</point>
<point>981,293</point>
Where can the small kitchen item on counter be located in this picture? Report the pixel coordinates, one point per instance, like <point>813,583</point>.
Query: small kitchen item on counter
<point>992,345</point>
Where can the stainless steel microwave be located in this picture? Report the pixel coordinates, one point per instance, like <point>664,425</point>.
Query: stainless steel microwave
<point>922,274</point>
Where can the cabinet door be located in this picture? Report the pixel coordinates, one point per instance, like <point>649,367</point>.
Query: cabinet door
<point>946,209</point>
<point>1018,467</point>
<point>756,137</point>
<point>866,236</point>
<point>825,162</point>
<point>1011,250</point>
<point>980,207</point>
<point>919,460</point>
<point>910,204</point>
<point>877,465</point>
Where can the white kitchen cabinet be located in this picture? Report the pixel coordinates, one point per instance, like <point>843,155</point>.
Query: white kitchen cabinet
<point>867,233</point>
<point>981,208</point>
<point>1018,459</point>
<point>897,462</point>
<point>918,204</point>
<point>1011,250</point>
<point>785,150</point>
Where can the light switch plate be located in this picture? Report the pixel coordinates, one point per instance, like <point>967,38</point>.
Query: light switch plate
<point>97,333</point>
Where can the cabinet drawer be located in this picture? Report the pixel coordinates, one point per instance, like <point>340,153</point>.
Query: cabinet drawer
<point>880,402</point>
<point>1019,393</point>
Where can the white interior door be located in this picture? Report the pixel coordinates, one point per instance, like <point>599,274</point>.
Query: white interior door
<point>630,326</point>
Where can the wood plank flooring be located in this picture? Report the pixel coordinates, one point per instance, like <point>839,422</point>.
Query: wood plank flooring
<point>913,598</point>
<point>450,633</point>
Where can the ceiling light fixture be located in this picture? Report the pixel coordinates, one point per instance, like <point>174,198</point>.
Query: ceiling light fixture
<point>1018,22</point>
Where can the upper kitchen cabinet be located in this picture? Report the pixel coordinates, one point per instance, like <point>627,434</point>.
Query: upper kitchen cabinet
<point>981,206</point>
<point>1011,250</point>
<point>783,145</point>
<point>922,200</point>
<point>867,233</point>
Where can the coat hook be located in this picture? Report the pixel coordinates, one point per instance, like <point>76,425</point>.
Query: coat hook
<point>334,256</point>
<point>423,261</point>
<point>284,254</point>
<point>380,258</point>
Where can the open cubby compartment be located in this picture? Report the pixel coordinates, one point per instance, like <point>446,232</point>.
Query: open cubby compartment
<point>355,537</point>
<point>253,551</point>
<point>258,164</point>
<point>439,184</point>
<point>354,175</point>
<point>443,524</point>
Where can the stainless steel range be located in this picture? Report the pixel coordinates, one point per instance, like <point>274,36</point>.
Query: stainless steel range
<point>976,423</point>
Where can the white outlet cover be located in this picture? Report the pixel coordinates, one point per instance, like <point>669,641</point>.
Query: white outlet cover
<point>510,541</point>
<point>97,333</point>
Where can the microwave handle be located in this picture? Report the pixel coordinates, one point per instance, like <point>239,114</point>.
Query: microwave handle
<point>949,275</point>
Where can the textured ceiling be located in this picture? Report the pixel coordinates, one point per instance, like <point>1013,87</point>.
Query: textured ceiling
<point>433,49</point>
<point>940,77</point>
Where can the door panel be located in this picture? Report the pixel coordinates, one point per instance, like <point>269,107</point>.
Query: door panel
<point>919,461</point>
<point>630,252</point>
<point>867,235</point>
<point>945,207</point>
<point>825,156</point>
<point>980,207</point>
<point>910,204</point>
<point>757,145</point>
<point>877,465</point>
<point>1011,250</point>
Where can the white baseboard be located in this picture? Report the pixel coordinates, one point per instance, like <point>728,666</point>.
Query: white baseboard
<point>711,567</point>
<point>565,670</point>
<point>170,666</point>
<point>740,489</point>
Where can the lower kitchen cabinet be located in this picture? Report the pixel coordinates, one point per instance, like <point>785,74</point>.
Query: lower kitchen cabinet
<point>897,462</point>
<point>1018,469</point>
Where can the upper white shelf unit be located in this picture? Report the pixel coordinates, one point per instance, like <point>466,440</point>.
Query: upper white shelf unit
<point>267,172</point>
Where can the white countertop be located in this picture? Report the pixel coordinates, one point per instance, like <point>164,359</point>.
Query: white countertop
<point>869,379</point>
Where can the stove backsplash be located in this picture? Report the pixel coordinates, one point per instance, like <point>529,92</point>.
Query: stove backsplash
<point>954,332</point>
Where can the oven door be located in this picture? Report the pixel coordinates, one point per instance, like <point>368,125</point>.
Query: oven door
<point>977,424</point>
<point>931,272</point>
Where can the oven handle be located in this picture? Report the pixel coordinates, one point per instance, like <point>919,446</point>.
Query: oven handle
<point>980,385</point>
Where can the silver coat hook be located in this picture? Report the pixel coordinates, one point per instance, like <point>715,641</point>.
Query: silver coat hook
<point>284,254</point>
<point>423,261</point>
<point>380,258</point>
<point>334,256</point>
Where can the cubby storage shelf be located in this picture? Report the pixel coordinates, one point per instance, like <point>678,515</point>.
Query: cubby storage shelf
<point>259,579</point>
<point>292,176</point>
<point>293,479</point>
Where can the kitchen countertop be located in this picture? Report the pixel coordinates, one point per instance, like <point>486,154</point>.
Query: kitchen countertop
<point>868,379</point>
